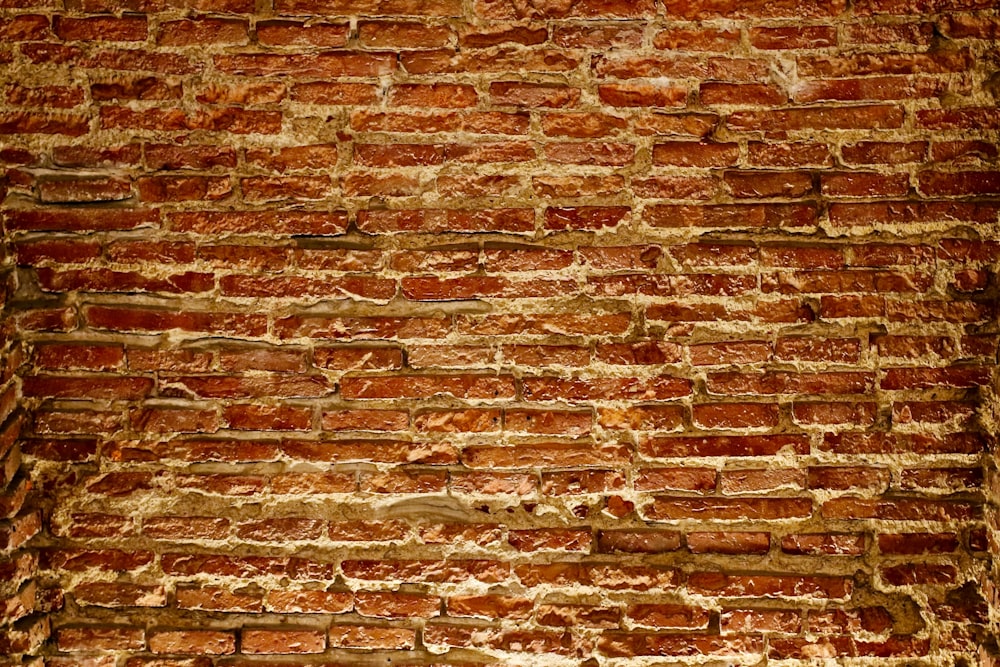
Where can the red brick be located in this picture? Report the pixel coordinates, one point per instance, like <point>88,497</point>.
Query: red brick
<point>330,64</point>
<point>821,544</point>
<point>611,576</point>
<point>485,122</point>
<point>768,586</point>
<point>217,599</point>
<point>335,93</point>
<point>192,642</point>
<point>642,95</point>
<point>898,443</point>
<point>185,528</point>
<point>89,190</point>
<point>453,571</point>
<point>549,422</point>
<point>695,154</point>
<point>756,184</point>
<point>735,415</point>
<point>56,97</point>
<point>590,153</point>
<point>431,220</point>
<point>284,640</point>
<point>307,483</point>
<point>308,602</point>
<point>763,445</point>
<point>553,9</point>
<point>728,543</point>
<point>697,39</point>
<point>728,509</point>
<point>471,534</point>
<point>97,387</point>
<point>526,259</point>
<point>488,456</point>
<point>959,183</point>
<point>927,378</point>
<point>903,509</point>
<point>737,481</point>
<point>790,154</point>
<point>937,412</point>
<point>734,352</point>
<point>589,217</point>
<point>732,215</point>
<point>869,88</point>
<point>476,186</point>
<point>416,386</point>
<point>811,37</point>
<point>222,119</point>
<point>845,478</point>
<point>144,88</point>
<point>970,26</point>
<point>947,478</point>
<point>555,539</point>
<point>120,595</point>
<point>890,33</point>
<point>371,637</point>
<point>533,95</point>
<point>781,382</point>
<point>917,543</point>
<point>280,530</point>
<point>739,621</point>
<point>96,637</point>
<point>638,354</point>
<point>552,388</point>
<point>945,151</point>
<point>195,32</point>
<point>819,118</point>
<point>433,95</point>
<point>702,9</point>
<point>380,34</point>
<point>597,36</point>
<point>84,560</point>
<point>587,616</point>
<point>458,421</point>
<point>642,418</point>
<point>363,328</point>
<point>676,479</point>
<point>397,605</point>
<point>25,28</point>
<point>638,541</point>
<point>125,29</point>
<point>848,413</point>
<point>887,63</point>
<point>371,7</point>
<point>246,93</point>
<point>446,61</point>
<point>404,481</point>
<point>626,644</point>
<point>487,36</point>
<point>745,94</point>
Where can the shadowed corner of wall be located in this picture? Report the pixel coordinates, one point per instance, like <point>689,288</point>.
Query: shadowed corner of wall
<point>989,417</point>
<point>24,607</point>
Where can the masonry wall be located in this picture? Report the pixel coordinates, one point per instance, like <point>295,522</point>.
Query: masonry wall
<point>498,332</point>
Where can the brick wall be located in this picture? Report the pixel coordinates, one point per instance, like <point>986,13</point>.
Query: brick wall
<point>510,332</point>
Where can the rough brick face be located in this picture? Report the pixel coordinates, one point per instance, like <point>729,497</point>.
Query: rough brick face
<point>499,332</point>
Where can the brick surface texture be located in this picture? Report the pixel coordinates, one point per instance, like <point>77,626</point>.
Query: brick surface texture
<point>594,333</point>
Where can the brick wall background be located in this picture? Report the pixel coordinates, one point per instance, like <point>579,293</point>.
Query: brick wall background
<point>510,332</point>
